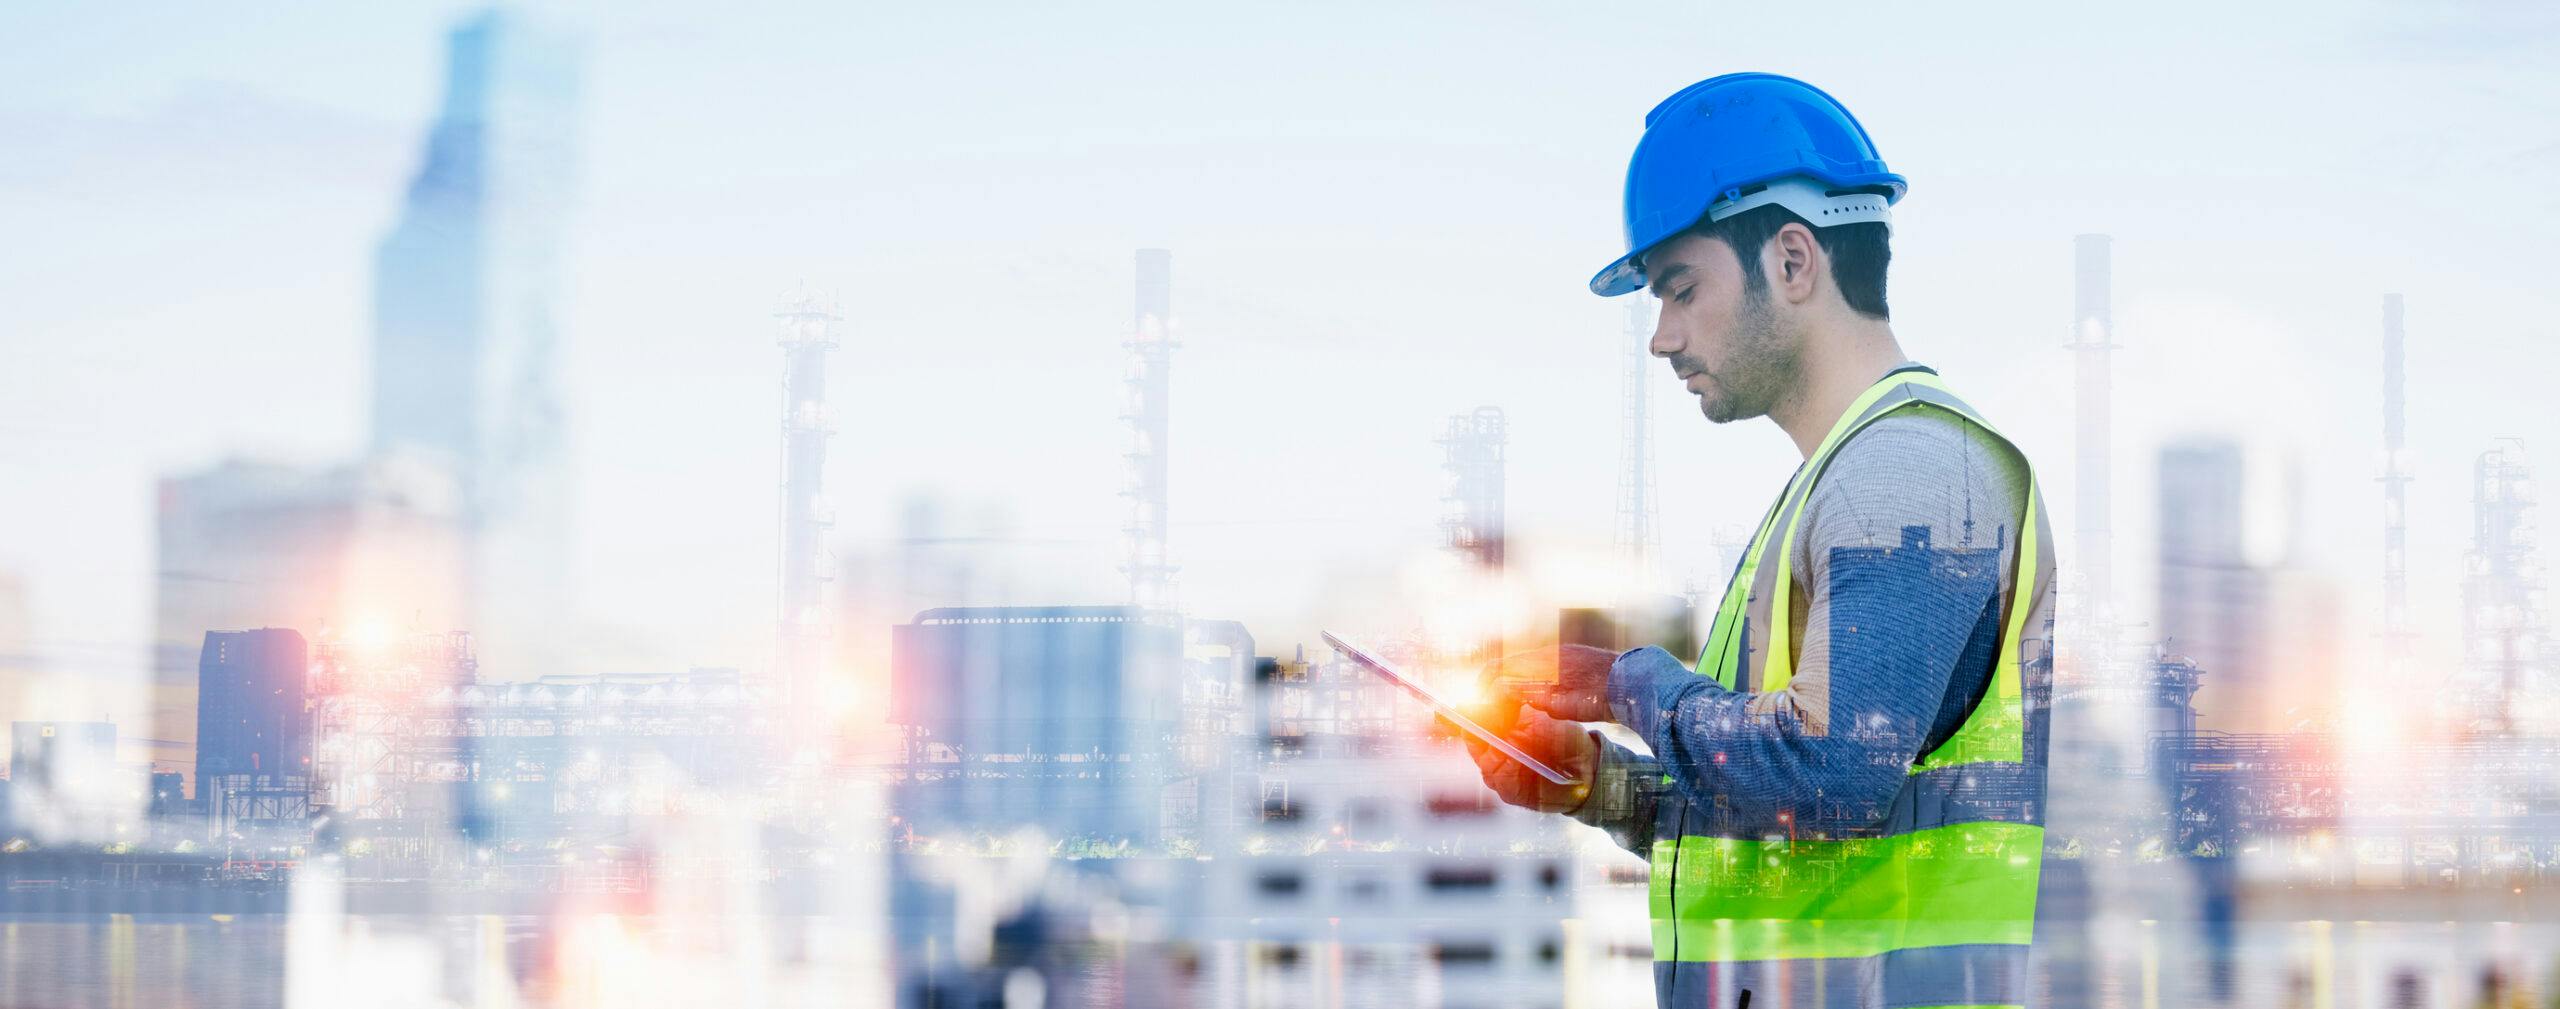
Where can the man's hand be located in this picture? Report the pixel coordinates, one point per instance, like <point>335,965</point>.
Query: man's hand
<point>1570,682</point>
<point>1565,746</point>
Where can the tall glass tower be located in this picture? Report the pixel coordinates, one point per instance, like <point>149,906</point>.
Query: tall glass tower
<point>468,338</point>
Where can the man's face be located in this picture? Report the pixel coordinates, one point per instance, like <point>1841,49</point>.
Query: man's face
<point>1724,341</point>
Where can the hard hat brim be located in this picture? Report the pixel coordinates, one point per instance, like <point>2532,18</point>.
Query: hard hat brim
<point>1621,277</point>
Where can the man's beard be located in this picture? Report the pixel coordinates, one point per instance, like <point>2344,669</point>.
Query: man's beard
<point>1761,367</point>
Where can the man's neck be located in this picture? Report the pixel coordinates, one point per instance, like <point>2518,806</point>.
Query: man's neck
<point>1834,368</point>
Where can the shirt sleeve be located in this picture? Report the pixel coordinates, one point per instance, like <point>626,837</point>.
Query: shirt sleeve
<point>1904,550</point>
<point>1622,800</point>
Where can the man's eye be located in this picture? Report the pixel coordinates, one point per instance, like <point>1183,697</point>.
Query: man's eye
<point>1683,296</point>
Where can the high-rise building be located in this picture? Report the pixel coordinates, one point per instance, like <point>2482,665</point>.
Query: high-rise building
<point>366,549</point>
<point>253,730</point>
<point>468,338</point>
<point>254,705</point>
<point>2213,605</point>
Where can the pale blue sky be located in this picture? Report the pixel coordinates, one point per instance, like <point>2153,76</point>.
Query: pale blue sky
<point>1380,215</point>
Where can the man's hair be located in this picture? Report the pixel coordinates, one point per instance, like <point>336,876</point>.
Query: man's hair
<point>1859,252</point>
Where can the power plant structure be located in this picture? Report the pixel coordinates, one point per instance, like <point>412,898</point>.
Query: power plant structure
<point>1639,534</point>
<point>2395,479</point>
<point>2505,630</point>
<point>397,743</point>
<point>2093,544</point>
<point>809,330</point>
<point>1146,407</point>
<point>1471,516</point>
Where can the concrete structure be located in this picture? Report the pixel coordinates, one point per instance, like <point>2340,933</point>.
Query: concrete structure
<point>1147,409</point>
<point>468,337</point>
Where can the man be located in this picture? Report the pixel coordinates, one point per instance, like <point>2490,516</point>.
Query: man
<point>1843,803</point>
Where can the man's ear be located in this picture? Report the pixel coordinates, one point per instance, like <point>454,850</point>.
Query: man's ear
<point>1795,260</point>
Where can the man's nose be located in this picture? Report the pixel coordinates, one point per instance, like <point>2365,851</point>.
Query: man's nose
<point>1665,342</point>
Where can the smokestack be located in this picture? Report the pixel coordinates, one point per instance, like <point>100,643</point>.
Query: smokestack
<point>1146,410</point>
<point>1638,535</point>
<point>2092,342</point>
<point>2395,495</point>
<point>808,332</point>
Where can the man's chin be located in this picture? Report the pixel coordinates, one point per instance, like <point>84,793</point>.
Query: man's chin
<point>1723,410</point>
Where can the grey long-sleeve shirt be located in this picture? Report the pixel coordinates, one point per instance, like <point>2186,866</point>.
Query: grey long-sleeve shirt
<point>1898,621</point>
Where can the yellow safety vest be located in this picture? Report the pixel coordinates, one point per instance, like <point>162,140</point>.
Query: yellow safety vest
<point>1932,906</point>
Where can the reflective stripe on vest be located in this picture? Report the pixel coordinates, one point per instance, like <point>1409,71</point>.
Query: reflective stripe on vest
<point>1936,905</point>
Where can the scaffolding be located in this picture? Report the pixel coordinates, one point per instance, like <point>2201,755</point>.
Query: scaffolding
<point>2504,630</point>
<point>367,705</point>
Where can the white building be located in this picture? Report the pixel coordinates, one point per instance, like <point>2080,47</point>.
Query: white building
<point>1379,870</point>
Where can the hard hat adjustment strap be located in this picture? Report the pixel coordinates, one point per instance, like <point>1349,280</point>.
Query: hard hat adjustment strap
<point>1809,198</point>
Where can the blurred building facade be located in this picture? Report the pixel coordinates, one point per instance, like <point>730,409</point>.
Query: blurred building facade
<point>469,340</point>
<point>365,547</point>
<point>66,784</point>
<point>2212,600</point>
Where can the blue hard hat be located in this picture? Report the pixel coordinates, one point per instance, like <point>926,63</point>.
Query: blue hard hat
<point>1731,143</point>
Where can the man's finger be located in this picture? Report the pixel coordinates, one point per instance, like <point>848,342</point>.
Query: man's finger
<point>1570,705</point>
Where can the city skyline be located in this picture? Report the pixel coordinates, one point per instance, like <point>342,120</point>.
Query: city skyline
<point>1043,346</point>
<point>636,505</point>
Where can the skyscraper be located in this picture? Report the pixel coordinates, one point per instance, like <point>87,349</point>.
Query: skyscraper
<point>2213,604</point>
<point>468,340</point>
<point>252,716</point>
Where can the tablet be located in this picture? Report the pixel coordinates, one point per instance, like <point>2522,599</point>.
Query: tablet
<point>1446,710</point>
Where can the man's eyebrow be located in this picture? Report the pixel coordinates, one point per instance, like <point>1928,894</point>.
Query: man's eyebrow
<point>1669,274</point>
